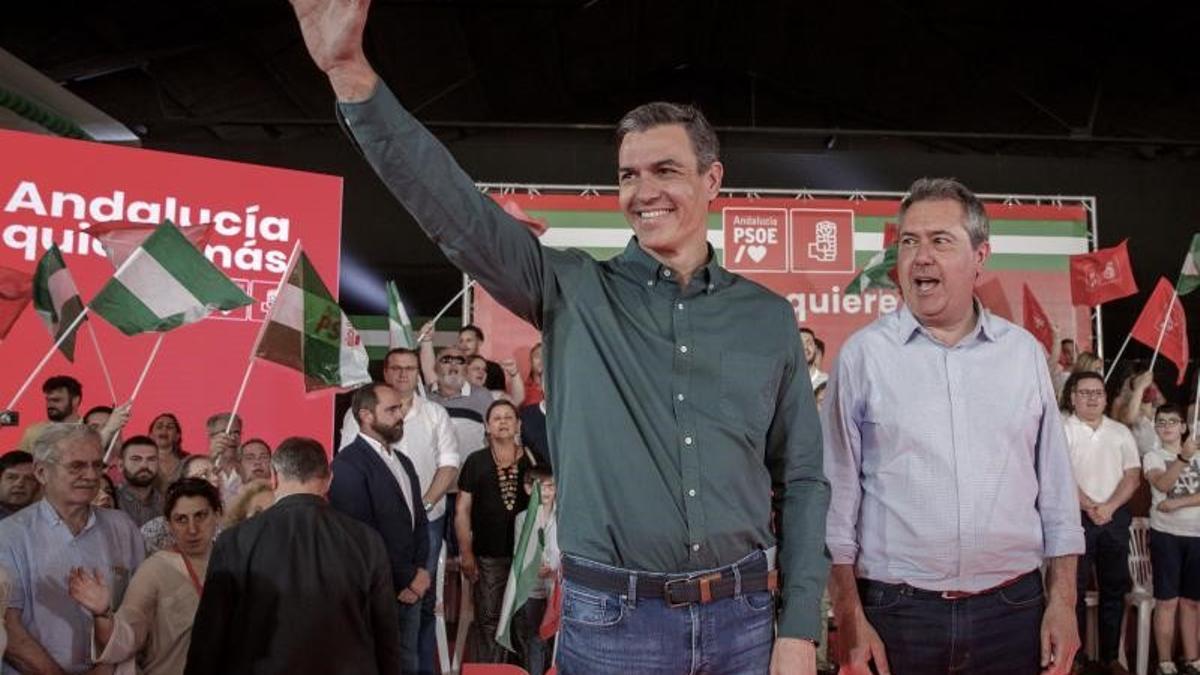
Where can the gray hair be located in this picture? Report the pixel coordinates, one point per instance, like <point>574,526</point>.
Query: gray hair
<point>660,113</point>
<point>933,189</point>
<point>55,436</point>
<point>218,421</point>
<point>300,459</point>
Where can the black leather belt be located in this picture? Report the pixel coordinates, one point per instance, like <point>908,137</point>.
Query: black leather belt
<point>913,591</point>
<point>677,590</point>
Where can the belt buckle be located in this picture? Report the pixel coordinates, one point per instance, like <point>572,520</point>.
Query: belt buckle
<point>667,592</point>
<point>956,595</point>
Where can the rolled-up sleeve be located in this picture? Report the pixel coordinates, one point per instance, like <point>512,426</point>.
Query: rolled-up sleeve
<point>801,497</point>
<point>445,442</point>
<point>843,458</point>
<point>1058,500</point>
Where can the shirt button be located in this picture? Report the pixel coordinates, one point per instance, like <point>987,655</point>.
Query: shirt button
<point>666,274</point>
<point>679,306</point>
<point>649,282</point>
<point>691,493</point>
<point>695,547</point>
<point>682,349</point>
<point>687,440</point>
<point>679,396</point>
<point>710,287</point>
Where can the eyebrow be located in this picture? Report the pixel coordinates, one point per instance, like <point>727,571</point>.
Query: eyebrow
<point>669,162</point>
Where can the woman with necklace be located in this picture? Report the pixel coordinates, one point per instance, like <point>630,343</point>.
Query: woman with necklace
<point>154,622</point>
<point>490,495</point>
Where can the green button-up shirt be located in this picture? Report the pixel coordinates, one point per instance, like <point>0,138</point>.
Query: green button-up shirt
<point>674,413</point>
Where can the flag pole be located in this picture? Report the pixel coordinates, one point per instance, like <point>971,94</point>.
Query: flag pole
<point>103,364</point>
<point>445,309</point>
<point>112,442</point>
<point>1113,367</point>
<point>1162,330</point>
<point>62,338</point>
<point>287,273</point>
<point>1195,407</point>
<point>42,364</point>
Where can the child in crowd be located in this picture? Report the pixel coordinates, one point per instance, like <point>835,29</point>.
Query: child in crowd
<point>537,651</point>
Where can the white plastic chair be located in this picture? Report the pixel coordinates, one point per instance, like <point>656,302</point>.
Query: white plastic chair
<point>1141,595</point>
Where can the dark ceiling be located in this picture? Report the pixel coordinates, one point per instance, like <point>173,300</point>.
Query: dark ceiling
<point>996,77</point>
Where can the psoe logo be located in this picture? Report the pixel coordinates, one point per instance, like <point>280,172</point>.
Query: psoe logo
<point>822,240</point>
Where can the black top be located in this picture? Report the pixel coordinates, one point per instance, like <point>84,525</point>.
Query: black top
<point>533,432</point>
<point>492,523</point>
<point>298,589</point>
<point>495,377</point>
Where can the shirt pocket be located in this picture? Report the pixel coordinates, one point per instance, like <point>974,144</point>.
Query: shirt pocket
<point>748,383</point>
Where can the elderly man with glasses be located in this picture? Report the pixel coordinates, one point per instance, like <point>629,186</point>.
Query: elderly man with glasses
<point>48,632</point>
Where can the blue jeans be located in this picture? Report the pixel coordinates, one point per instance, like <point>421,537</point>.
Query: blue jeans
<point>410,625</point>
<point>427,639</point>
<point>994,634</point>
<point>610,633</point>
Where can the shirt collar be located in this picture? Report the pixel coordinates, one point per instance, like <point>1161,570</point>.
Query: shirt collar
<point>985,326</point>
<point>375,445</point>
<point>644,266</point>
<point>48,514</point>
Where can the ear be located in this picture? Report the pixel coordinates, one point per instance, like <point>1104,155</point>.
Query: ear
<point>41,471</point>
<point>712,179</point>
<point>982,253</point>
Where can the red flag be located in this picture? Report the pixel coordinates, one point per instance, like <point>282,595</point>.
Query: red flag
<point>16,290</point>
<point>1163,316</point>
<point>891,233</point>
<point>1036,320</point>
<point>121,238</point>
<point>553,613</point>
<point>991,295</point>
<point>537,226</point>
<point>1102,275</point>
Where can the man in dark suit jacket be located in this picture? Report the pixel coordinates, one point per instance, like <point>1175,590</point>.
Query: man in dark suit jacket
<point>299,588</point>
<point>377,485</point>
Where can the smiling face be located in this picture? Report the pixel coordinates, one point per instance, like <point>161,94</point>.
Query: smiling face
<point>663,193</point>
<point>1088,399</point>
<point>938,266</point>
<point>1170,427</point>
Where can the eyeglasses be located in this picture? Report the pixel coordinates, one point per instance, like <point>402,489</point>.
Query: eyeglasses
<point>1089,393</point>
<point>452,359</point>
<point>1167,423</point>
<point>78,468</point>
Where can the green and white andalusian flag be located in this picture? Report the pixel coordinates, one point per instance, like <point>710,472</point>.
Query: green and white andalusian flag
<point>875,274</point>
<point>526,563</point>
<point>56,299</point>
<point>164,284</point>
<point>1189,276</point>
<point>306,330</point>
<point>400,332</point>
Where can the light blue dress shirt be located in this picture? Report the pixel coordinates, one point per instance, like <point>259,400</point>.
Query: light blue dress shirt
<point>948,465</point>
<point>38,550</point>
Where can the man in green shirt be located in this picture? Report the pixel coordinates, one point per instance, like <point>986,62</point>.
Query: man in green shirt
<point>680,410</point>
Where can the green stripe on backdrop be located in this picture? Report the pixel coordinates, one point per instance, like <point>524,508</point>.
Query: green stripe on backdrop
<point>380,321</point>
<point>1002,261</point>
<point>613,220</point>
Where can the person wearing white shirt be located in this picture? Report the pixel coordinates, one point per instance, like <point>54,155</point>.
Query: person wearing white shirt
<point>1107,468</point>
<point>1173,470</point>
<point>431,444</point>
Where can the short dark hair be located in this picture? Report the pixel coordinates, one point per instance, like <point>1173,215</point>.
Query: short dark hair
<point>810,332</point>
<point>499,403</point>
<point>365,398</point>
<point>1072,382</point>
<point>1066,340</point>
<point>137,440</point>
<point>975,220</point>
<point>300,459</point>
<point>105,409</point>
<point>1169,409</point>
<point>539,472</point>
<point>74,389</point>
<point>661,113</point>
<point>473,329</point>
<point>400,350</point>
<point>14,458</point>
<point>820,344</point>
<point>191,487</point>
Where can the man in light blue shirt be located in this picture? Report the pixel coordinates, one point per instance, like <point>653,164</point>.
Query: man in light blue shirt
<point>949,469</point>
<point>48,632</point>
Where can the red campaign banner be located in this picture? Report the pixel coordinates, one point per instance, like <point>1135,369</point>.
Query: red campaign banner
<point>825,242</point>
<point>1162,320</point>
<point>1102,275</point>
<point>54,191</point>
<point>1036,321</point>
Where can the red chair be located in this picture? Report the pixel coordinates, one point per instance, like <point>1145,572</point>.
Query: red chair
<point>492,669</point>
